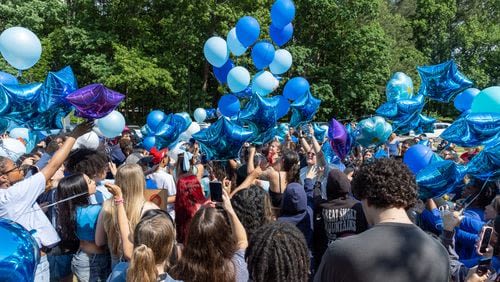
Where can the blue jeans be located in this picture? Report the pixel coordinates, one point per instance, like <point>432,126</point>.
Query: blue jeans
<point>88,267</point>
<point>60,266</point>
<point>42,270</point>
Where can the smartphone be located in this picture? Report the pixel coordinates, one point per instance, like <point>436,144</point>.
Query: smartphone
<point>216,191</point>
<point>485,240</point>
<point>483,266</point>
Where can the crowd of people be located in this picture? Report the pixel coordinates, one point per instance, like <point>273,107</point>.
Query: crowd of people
<point>286,213</point>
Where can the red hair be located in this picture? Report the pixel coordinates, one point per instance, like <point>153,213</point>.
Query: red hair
<point>188,199</point>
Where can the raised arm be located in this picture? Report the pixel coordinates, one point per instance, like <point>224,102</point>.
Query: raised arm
<point>123,223</point>
<point>60,155</point>
<point>250,163</point>
<point>239,232</point>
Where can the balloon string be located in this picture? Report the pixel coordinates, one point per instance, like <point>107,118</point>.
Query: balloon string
<point>53,204</point>
<point>19,73</point>
<point>468,203</point>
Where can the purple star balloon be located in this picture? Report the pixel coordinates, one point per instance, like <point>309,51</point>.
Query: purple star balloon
<point>94,101</point>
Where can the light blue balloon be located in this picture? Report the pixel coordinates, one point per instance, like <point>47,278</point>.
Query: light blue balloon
<point>20,132</point>
<point>200,114</point>
<point>282,62</point>
<point>487,101</point>
<point>262,54</point>
<point>247,30</point>
<point>238,79</point>
<point>234,44</point>
<point>399,87</point>
<point>111,125</point>
<point>7,78</point>
<point>20,47</point>
<point>216,51</point>
<point>263,83</point>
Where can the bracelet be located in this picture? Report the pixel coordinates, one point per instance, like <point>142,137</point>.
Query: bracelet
<point>119,201</point>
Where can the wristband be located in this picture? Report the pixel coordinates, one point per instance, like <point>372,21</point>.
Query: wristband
<point>119,201</point>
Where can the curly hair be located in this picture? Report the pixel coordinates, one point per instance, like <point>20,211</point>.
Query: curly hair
<point>278,252</point>
<point>385,183</point>
<point>208,249</point>
<point>253,208</point>
<point>88,161</point>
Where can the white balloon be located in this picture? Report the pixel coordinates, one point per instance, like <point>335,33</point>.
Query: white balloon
<point>20,132</point>
<point>177,149</point>
<point>12,149</point>
<point>88,141</point>
<point>193,128</point>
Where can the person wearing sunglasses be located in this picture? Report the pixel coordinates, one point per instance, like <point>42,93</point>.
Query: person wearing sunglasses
<point>18,197</point>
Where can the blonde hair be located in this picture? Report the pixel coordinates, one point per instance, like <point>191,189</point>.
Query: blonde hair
<point>131,180</point>
<point>152,233</point>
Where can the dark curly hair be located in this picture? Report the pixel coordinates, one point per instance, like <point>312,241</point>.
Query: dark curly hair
<point>278,252</point>
<point>253,208</point>
<point>385,183</point>
<point>90,162</point>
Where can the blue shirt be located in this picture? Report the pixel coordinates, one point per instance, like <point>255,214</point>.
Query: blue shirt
<point>86,220</point>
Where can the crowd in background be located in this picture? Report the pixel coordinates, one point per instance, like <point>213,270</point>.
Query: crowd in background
<point>286,213</point>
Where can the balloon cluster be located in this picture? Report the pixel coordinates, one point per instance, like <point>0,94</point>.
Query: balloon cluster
<point>403,108</point>
<point>162,130</point>
<point>480,121</point>
<point>260,113</point>
<point>38,106</point>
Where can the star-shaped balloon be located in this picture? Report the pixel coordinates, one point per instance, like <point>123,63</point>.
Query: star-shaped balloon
<point>94,101</point>
<point>303,109</point>
<point>339,138</point>
<point>169,129</point>
<point>57,86</point>
<point>438,178</point>
<point>486,164</point>
<point>473,130</point>
<point>260,111</point>
<point>442,82</point>
<point>222,140</point>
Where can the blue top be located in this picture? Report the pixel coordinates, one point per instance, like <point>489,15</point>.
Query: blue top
<point>86,220</point>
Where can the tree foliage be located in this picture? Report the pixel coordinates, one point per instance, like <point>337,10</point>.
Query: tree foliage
<point>152,50</point>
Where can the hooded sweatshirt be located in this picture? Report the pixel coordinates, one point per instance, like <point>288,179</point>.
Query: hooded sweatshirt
<point>295,210</point>
<point>339,216</point>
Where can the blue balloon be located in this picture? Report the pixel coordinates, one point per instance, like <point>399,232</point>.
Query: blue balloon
<point>216,51</point>
<point>487,101</point>
<point>304,109</point>
<point>20,47</point>
<point>200,115</point>
<point>442,82</point>
<point>263,83</point>
<point>283,107</point>
<point>149,142</point>
<point>247,30</point>
<point>229,105</point>
<point>262,54</point>
<point>261,112</point>
<point>417,157</point>
<point>463,101</point>
<point>473,130</point>
<point>282,62</point>
<point>57,86</point>
<point>154,118</point>
<point>282,13</point>
<point>111,125</point>
<point>238,79</point>
<point>281,36</point>
<point>295,88</point>
<point>7,78</point>
<point>486,164</point>
<point>373,131</point>
<point>222,140</point>
<point>438,178</point>
<point>19,254</point>
<point>400,86</point>
<point>221,73</point>
<point>234,44</point>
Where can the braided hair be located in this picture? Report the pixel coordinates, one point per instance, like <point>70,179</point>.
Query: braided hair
<point>278,252</point>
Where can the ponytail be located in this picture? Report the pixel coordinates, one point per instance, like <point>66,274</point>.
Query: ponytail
<point>142,265</point>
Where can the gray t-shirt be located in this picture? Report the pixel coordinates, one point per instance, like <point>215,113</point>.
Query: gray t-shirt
<point>386,252</point>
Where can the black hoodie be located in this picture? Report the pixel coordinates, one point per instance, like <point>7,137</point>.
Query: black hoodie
<point>339,216</point>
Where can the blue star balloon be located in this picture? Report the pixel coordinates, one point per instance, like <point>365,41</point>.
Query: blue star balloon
<point>486,164</point>
<point>438,178</point>
<point>56,87</point>
<point>170,128</point>
<point>473,129</point>
<point>223,139</point>
<point>442,82</point>
<point>304,109</point>
<point>260,111</point>
<point>19,254</point>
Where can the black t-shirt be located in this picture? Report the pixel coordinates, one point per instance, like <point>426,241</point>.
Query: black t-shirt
<point>386,252</point>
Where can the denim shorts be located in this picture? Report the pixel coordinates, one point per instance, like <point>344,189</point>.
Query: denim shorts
<point>60,266</point>
<point>95,267</point>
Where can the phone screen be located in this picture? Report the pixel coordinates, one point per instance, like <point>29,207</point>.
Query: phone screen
<point>485,241</point>
<point>216,191</point>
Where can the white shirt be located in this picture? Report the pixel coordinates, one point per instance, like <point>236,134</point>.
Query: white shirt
<point>164,180</point>
<point>101,193</point>
<point>18,203</point>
